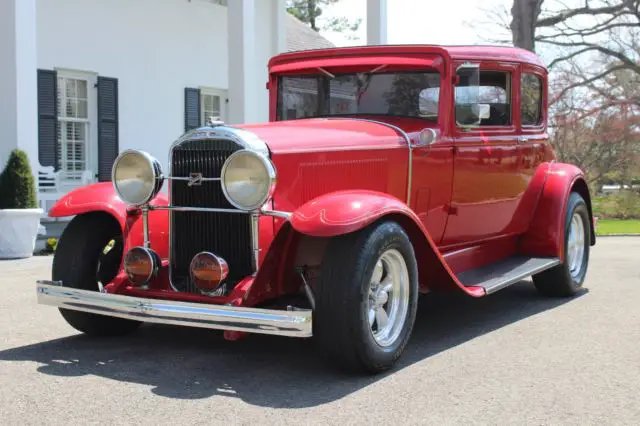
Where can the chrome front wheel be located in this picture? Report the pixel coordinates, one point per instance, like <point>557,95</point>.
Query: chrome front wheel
<point>388,301</point>
<point>366,297</point>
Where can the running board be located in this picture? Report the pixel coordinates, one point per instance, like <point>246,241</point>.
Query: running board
<point>499,275</point>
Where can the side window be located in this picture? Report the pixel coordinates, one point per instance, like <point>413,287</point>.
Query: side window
<point>493,95</point>
<point>531,100</point>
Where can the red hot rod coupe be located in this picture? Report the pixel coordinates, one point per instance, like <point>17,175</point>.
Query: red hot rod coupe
<point>384,172</point>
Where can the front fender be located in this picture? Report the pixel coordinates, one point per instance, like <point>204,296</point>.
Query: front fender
<point>96,197</point>
<point>545,236</point>
<point>101,197</point>
<point>342,212</point>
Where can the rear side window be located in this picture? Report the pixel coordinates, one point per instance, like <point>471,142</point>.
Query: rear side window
<point>531,104</point>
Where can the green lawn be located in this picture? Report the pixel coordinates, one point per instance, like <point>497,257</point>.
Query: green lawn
<point>615,226</point>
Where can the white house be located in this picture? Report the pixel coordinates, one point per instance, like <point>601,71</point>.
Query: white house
<point>82,80</point>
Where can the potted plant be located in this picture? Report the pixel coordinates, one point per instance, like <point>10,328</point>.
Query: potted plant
<point>19,215</point>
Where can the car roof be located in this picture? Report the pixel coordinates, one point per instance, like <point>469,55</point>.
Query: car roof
<point>457,52</point>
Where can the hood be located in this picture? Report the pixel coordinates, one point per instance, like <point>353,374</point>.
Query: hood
<point>325,134</point>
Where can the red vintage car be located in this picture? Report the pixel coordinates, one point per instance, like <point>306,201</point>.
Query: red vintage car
<point>384,172</point>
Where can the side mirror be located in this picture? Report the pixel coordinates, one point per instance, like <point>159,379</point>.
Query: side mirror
<point>469,112</point>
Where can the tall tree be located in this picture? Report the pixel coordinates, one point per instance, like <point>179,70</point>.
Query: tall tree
<point>525,15</point>
<point>308,11</point>
<point>593,130</point>
<point>604,33</point>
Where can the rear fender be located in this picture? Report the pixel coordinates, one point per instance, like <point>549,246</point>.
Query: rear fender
<point>546,233</point>
<point>101,197</point>
<point>342,212</point>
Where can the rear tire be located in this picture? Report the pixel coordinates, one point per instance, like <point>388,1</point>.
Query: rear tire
<point>80,262</point>
<point>366,298</point>
<point>566,279</point>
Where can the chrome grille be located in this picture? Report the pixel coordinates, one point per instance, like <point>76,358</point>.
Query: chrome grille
<point>225,234</point>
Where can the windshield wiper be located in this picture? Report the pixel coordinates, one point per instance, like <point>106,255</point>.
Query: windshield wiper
<point>378,68</point>
<point>327,73</point>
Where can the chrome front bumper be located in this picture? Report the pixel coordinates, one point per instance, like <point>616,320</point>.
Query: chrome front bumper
<point>295,323</point>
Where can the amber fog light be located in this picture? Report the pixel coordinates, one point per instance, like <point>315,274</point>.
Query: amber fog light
<point>208,271</point>
<point>141,264</point>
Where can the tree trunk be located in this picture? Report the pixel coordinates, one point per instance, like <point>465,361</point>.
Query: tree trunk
<point>311,7</point>
<point>523,25</point>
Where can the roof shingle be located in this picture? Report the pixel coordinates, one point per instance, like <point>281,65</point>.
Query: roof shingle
<point>301,37</point>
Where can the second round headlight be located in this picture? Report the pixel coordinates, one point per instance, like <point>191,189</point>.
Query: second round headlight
<point>136,177</point>
<point>248,179</point>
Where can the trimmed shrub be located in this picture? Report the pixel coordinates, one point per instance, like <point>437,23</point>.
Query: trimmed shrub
<point>628,205</point>
<point>17,186</point>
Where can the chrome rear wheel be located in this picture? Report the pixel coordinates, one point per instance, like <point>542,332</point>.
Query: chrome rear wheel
<point>566,279</point>
<point>575,245</point>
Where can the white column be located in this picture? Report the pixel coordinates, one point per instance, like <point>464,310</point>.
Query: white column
<point>279,28</point>
<point>18,80</point>
<point>241,26</point>
<point>376,22</point>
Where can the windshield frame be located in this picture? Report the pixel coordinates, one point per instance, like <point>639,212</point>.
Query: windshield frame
<point>323,84</point>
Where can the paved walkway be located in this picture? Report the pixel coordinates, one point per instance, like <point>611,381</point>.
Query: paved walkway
<point>512,358</point>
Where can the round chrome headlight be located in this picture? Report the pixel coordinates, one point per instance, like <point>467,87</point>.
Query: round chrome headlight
<point>248,179</point>
<point>137,177</point>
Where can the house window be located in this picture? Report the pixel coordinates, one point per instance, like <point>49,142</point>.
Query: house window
<point>75,119</point>
<point>212,106</point>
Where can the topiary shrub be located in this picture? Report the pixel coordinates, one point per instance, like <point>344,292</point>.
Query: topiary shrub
<point>17,186</point>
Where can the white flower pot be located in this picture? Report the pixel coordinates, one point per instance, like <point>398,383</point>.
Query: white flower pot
<point>18,232</point>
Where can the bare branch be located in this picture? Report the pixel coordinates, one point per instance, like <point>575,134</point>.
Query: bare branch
<point>624,59</point>
<point>570,13</point>
<point>569,57</point>
<point>585,33</point>
<point>585,82</point>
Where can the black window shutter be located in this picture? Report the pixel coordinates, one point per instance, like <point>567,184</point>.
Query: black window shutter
<point>48,118</point>
<point>191,109</point>
<point>107,126</point>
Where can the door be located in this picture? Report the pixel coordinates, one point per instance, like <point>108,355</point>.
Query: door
<point>487,185</point>
<point>432,175</point>
<point>432,160</point>
<point>533,140</point>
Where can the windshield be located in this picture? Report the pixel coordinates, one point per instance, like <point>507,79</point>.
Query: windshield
<point>403,94</point>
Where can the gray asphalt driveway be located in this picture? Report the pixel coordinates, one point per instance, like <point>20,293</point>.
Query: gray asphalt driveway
<point>512,358</point>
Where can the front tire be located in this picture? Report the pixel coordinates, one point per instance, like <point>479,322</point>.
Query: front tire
<point>366,298</point>
<point>82,261</point>
<point>566,279</point>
